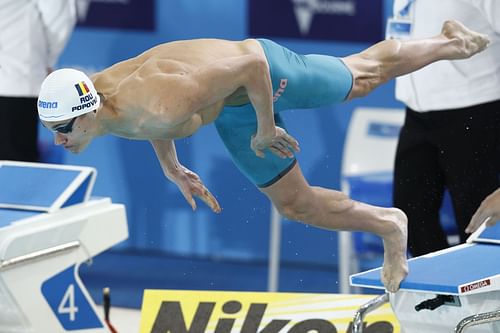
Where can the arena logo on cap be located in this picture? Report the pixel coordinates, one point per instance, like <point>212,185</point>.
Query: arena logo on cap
<point>47,105</point>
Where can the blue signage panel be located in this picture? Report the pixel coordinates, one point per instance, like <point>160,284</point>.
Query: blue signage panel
<point>69,304</point>
<point>120,14</point>
<point>342,20</point>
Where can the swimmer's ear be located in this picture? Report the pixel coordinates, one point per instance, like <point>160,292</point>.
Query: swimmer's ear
<point>101,99</point>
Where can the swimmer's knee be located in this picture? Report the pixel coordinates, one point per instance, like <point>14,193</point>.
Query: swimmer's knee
<point>366,76</point>
<point>372,67</point>
<point>292,211</point>
<point>293,207</point>
<point>305,207</point>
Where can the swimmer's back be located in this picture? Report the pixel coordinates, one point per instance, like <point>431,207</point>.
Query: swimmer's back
<point>199,52</point>
<point>178,57</point>
<point>196,52</point>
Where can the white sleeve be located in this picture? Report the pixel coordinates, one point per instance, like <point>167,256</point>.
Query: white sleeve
<point>59,19</point>
<point>398,5</point>
<point>491,10</point>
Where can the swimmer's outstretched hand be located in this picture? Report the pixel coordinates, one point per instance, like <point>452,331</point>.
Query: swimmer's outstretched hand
<point>190,185</point>
<point>282,144</point>
<point>488,211</point>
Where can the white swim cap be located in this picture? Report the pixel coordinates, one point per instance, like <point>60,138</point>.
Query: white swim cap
<point>65,94</point>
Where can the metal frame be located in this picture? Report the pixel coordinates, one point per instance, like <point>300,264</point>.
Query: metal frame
<point>346,263</point>
<point>274,250</point>
<point>478,319</point>
<point>6,264</point>
<point>357,324</point>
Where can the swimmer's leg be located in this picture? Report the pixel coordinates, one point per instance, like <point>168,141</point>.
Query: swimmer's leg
<point>297,200</point>
<point>391,58</point>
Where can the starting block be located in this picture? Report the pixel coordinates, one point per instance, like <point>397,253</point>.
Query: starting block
<point>451,290</point>
<point>49,226</point>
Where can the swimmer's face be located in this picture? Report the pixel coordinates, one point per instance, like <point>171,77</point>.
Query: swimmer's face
<point>74,134</point>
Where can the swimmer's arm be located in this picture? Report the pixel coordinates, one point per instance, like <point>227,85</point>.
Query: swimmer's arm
<point>221,79</point>
<point>167,155</point>
<point>189,183</point>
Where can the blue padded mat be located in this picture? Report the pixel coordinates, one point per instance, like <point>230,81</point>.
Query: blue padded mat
<point>444,272</point>
<point>490,233</point>
<point>33,186</point>
<point>7,216</point>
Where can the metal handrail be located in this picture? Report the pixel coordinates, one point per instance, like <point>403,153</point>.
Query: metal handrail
<point>357,325</point>
<point>9,263</point>
<point>274,250</point>
<point>478,319</point>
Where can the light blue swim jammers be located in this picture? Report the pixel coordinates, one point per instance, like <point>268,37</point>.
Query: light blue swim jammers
<point>299,82</point>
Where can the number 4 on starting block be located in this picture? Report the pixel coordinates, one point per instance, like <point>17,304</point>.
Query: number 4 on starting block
<point>69,303</point>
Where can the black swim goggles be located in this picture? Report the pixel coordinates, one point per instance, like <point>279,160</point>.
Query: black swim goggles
<point>64,128</point>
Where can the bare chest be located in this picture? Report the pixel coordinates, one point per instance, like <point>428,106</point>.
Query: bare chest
<point>146,124</point>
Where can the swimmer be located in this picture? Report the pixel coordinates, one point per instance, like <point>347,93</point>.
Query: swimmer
<point>173,89</point>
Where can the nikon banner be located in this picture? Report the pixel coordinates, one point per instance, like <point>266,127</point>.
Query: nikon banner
<point>179,311</point>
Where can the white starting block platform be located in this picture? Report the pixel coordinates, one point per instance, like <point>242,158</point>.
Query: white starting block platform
<point>449,290</point>
<point>49,226</point>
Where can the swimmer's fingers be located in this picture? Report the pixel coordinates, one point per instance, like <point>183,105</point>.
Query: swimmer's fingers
<point>188,196</point>
<point>257,147</point>
<point>282,144</point>
<point>285,143</point>
<point>209,199</point>
<point>198,189</point>
<point>280,149</point>
<point>189,183</point>
<point>278,152</point>
<point>260,153</point>
<point>290,142</point>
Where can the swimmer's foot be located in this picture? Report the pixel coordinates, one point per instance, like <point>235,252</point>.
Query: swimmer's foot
<point>464,43</point>
<point>395,267</point>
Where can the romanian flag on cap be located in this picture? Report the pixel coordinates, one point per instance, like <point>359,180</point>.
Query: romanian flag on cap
<point>82,88</point>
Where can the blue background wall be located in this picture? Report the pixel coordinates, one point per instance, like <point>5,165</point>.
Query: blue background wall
<point>162,225</point>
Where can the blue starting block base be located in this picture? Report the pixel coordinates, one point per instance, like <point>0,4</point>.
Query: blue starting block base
<point>49,226</point>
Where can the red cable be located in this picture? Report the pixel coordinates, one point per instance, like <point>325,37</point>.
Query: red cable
<point>107,306</point>
<point>111,328</point>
